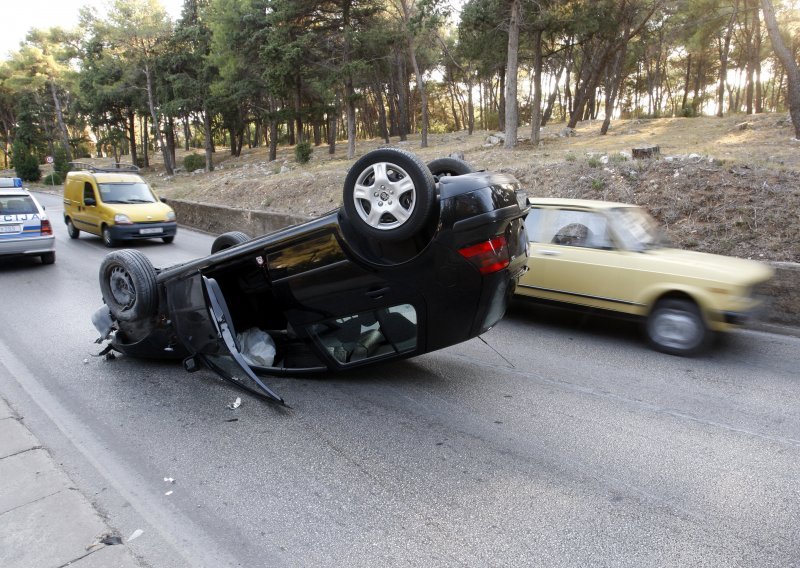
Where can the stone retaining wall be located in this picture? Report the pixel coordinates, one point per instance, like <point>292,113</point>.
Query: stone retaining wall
<point>784,289</point>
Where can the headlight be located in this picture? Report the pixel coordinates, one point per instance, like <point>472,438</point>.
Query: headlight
<point>171,216</point>
<point>121,219</point>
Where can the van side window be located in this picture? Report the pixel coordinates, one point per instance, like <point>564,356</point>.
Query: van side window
<point>88,191</point>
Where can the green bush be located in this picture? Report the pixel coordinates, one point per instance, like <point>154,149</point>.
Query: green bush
<point>26,165</point>
<point>194,162</point>
<point>302,152</point>
<point>60,163</point>
<point>53,179</point>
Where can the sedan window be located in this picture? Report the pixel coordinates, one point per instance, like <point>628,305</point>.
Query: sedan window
<point>369,334</point>
<point>17,205</point>
<point>586,229</point>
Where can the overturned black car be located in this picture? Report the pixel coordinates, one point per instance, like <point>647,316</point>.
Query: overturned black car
<point>418,258</point>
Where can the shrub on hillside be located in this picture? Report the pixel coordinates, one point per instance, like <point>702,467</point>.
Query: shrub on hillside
<point>53,179</point>
<point>302,152</point>
<point>26,165</point>
<point>194,162</point>
<point>60,163</point>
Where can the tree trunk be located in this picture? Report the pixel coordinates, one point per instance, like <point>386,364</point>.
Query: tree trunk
<point>512,66</point>
<point>60,117</point>
<point>132,137</point>
<point>168,166</point>
<point>536,104</point>
<point>790,65</point>
<point>207,135</point>
<point>723,60</point>
<point>686,81</point>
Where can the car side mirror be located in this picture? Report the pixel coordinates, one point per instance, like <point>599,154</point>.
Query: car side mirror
<point>90,202</point>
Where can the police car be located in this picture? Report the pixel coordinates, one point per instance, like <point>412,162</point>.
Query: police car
<point>25,229</point>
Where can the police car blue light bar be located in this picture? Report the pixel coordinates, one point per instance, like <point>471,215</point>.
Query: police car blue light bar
<point>10,182</point>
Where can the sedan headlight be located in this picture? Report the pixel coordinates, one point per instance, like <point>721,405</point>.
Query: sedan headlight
<point>171,216</point>
<point>121,219</point>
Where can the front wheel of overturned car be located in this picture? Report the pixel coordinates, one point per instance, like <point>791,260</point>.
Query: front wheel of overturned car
<point>444,167</point>
<point>228,240</point>
<point>389,194</point>
<point>128,284</point>
<point>677,327</point>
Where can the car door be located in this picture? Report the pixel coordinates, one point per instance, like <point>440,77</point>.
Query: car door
<point>87,217</point>
<point>204,325</point>
<point>573,258</point>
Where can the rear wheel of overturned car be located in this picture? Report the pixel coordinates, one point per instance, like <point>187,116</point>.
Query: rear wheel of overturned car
<point>228,240</point>
<point>443,167</point>
<point>389,194</point>
<point>72,231</point>
<point>128,284</point>
<point>677,327</point>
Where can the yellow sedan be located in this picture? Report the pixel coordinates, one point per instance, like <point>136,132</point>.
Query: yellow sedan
<point>610,256</point>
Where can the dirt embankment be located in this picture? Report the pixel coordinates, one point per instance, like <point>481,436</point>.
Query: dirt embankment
<point>727,186</point>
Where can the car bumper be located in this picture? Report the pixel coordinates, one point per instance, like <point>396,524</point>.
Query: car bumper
<point>27,246</point>
<point>143,231</point>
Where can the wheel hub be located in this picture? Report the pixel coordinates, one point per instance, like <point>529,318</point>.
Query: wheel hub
<point>122,288</point>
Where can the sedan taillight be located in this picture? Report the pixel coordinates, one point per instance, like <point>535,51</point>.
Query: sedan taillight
<point>46,229</point>
<point>489,256</point>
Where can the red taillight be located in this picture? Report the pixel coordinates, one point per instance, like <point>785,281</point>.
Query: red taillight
<point>46,228</point>
<point>489,256</point>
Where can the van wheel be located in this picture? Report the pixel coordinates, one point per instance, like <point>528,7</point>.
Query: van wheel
<point>389,195</point>
<point>128,285</point>
<point>168,240</point>
<point>48,257</point>
<point>228,240</point>
<point>677,327</point>
<point>108,240</point>
<point>72,231</point>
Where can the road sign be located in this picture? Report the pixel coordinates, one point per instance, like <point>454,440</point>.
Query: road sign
<point>49,159</point>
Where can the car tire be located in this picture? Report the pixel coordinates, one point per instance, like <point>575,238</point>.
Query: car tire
<point>677,327</point>
<point>72,231</point>
<point>389,195</point>
<point>48,257</point>
<point>168,240</point>
<point>228,240</point>
<point>128,285</point>
<point>442,167</point>
<point>108,240</point>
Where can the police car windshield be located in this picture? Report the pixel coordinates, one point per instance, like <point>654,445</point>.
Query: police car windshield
<point>135,192</point>
<point>17,205</point>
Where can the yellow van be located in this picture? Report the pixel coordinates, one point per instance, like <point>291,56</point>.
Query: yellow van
<point>115,204</point>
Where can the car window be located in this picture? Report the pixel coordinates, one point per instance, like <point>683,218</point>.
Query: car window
<point>17,205</point>
<point>135,192</point>
<point>586,229</point>
<point>369,334</point>
<point>533,224</point>
<point>88,191</point>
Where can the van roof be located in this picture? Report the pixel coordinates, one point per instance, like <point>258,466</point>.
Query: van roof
<point>108,177</point>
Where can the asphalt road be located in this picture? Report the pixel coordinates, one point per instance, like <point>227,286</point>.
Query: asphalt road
<point>559,441</point>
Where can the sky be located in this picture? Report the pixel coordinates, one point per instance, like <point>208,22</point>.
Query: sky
<point>19,16</point>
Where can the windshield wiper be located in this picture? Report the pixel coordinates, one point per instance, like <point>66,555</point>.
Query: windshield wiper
<point>140,201</point>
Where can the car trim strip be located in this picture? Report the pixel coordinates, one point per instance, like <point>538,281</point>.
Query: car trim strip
<point>589,296</point>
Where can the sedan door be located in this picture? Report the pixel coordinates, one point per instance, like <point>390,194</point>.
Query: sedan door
<point>573,259</point>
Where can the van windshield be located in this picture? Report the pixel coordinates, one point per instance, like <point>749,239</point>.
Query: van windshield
<point>135,192</point>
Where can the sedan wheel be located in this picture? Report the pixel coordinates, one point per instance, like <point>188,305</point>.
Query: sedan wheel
<point>228,240</point>
<point>128,285</point>
<point>444,167</point>
<point>677,327</point>
<point>389,194</point>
